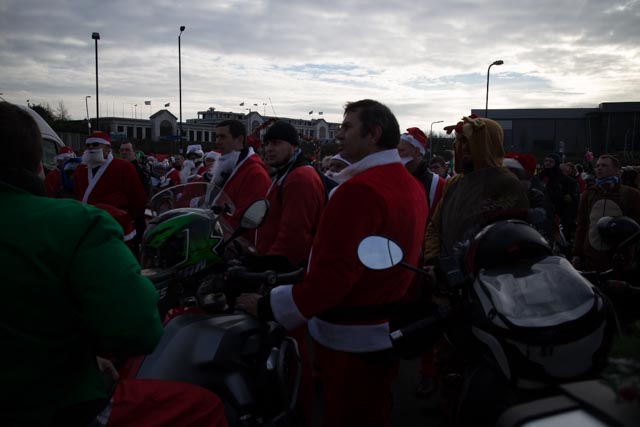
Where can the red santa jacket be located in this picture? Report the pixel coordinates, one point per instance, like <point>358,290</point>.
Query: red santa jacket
<point>293,217</point>
<point>52,182</point>
<point>116,183</point>
<point>338,288</point>
<point>248,181</point>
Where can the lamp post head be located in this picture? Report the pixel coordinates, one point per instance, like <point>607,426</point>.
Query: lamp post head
<point>498,62</point>
<point>95,36</point>
<point>88,96</point>
<point>182,27</point>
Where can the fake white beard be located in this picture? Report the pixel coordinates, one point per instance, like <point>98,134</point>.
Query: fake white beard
<point>224,166</point>
<point>93,158</point>
<point>188,170</point>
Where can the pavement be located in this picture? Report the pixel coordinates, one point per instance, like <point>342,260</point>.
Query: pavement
<point>408,410</point>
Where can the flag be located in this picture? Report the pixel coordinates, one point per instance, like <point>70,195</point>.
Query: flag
<point>167,104</point>
<point>242,104</point>
<point>147,102</point>
<point>311,112</point>
<point>320,113</point>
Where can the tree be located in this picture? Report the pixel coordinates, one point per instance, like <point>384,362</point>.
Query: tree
<point>44,110</point>
<point>62,113</point>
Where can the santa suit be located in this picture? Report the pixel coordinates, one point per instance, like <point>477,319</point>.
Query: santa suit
<point>53,182</point>
<point>294,213</point>
<point>346,304</point>
<point>248,181</point>
<point>115,183</point>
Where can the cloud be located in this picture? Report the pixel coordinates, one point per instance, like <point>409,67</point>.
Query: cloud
<point>427,60</point>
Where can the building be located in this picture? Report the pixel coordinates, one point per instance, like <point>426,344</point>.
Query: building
<point>163,126</point>
<point>612,127</point>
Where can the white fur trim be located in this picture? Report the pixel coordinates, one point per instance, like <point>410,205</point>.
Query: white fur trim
<point>433,189</point>
<point>378,158</point>
<point>284,307</point>
<point>511,163</point>
<point>98,140</point>
<point>350,338</point>
<point>409,139</point>
<point>130,236</point>
<point>93,180</point>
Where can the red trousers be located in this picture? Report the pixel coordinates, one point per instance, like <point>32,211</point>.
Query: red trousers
<point>356,387</point>
<point>151,403</point>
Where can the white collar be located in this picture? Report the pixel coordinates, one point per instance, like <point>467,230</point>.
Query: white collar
<point>378,158</point>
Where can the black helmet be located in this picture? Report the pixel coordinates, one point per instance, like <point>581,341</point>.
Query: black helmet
<point>616,229</point>
<point>503,243</point>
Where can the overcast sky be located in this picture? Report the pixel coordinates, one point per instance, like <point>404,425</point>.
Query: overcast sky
<point>426,59</point>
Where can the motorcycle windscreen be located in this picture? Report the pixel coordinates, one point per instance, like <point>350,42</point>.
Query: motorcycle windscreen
<point>545,293</point>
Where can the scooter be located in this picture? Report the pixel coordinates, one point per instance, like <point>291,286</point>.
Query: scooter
<point>252,365</point>
<point>523,320</point>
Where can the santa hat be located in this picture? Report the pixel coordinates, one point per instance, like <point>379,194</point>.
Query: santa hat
<point>339,158</point>
<point>65,153</point>
<point>415,137</point>
<point>99,137</point>
<point>212,155</point>
<point>525,161</point>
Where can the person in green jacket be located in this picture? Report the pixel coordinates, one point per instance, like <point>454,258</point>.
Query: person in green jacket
<point>72,291</point>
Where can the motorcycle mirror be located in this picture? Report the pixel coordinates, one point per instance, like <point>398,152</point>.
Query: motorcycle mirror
<point>379,253</point>
<point>255,213</point>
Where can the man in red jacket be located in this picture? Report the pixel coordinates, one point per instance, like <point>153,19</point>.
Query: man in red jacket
<point>239,175</point>
<point>346,305</point>
<point>101,178</point>
<point>296,198</point>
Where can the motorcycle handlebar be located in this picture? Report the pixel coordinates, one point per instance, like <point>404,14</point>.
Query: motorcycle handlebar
<point>441,314</point>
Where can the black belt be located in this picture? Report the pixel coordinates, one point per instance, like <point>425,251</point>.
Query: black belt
<point>362,313</point>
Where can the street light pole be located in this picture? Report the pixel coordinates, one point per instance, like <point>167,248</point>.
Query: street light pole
<point>182,27</point>
<point>135,111</point>
<point>486,105</point>
<point>431,136</point>
<point>96,37</point>
<point>86,103</point>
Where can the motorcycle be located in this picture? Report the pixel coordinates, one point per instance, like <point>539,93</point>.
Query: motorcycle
<point>522,319</point>
<point>193,259</point>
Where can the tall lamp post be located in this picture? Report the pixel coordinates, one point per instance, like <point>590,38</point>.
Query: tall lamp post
<point>182,27</point>
<point>86,103</point>
<point>486,104</point>
<point>431,136</point>
<point>96,37</point>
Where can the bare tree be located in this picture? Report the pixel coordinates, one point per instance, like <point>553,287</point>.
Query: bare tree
<point>61,113</point>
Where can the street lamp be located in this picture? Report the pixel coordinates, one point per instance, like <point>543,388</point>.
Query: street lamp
<point>135,111</point>
<point>486,105</point>
<point>86,103</point>
<point>96,37</point>
<point>182,27</point>
<point>431,136</point>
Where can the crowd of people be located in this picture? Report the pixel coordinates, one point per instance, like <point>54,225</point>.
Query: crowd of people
<point>64,305</point>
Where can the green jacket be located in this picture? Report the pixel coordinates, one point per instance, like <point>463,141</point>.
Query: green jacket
<point>71,289</point>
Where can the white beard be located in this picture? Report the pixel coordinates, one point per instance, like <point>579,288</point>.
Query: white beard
<point>405,160</point>
<point>93,158</point>
<point>223,167</point>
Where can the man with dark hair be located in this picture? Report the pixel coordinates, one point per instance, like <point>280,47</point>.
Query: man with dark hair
<point>72,291</point>
<point>608,197</point>
<point>239,176</point>
<point>346,305</point>
<point>438,165</point>
<point>296,197</point>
